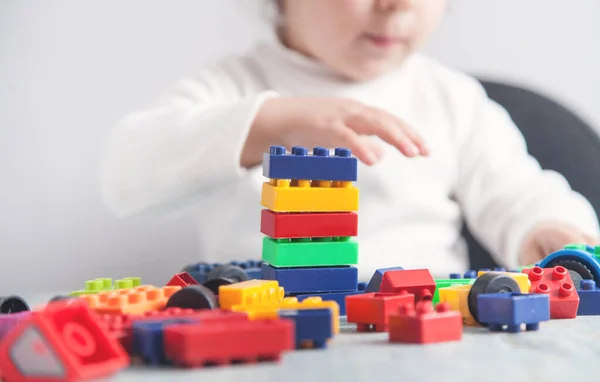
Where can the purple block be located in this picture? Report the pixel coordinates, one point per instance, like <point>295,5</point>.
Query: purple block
<point>8,321</point>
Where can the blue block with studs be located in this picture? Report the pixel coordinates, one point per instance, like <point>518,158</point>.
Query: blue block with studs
<point>320,165</point>
<point>589,299</point>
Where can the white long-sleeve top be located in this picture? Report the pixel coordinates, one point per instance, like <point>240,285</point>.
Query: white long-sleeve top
<point>185,151</point>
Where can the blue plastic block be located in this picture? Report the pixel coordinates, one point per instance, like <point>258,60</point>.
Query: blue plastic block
<point>454,276</point>
<point>375,282</point>
<point>318,166</point>
<point>585,257</point>
<point>199,272</point>
<point>362,286</point>
<point>313,279</point>
<point>470,275</point>
<point>312,325</point>
<point>339,297</point>
<point>499,269</point>
<point>148,340</point>
<point>513,309</point>
<point>589,299</point>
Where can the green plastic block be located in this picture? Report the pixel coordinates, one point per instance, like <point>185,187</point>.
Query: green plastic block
<point>444,283</point>
<point>310,252</point>
<point>581,247</point>
<point>106,284</point>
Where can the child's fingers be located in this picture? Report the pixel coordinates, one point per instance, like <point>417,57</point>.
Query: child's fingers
<point>371,121</point>
<point>416,139</point>
<point>346,137</point>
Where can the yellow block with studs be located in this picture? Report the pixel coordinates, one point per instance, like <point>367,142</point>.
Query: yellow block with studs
<point>283,195</point>
<point>250,293</point>
<point>522,279</point>
<point>458,298</point>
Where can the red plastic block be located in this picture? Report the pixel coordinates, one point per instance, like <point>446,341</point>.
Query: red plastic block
<point>423,325</point>
<point>280,225</point>
<point>416,281</point>
<point>182,279</point>
<point>63,342</point>
<point>371,311</point>
<point>220,344</point>
<point>556,282</point>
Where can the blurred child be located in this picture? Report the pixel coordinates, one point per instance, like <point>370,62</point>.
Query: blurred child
<point>434,149</point>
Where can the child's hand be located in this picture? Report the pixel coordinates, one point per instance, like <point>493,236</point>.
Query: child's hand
<point>550,237</point>
<point>329,122</point>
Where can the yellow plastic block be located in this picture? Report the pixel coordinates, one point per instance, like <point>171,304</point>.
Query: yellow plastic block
<point>282,195</point>
<point>250,293</point>
<point>521,278</point>
<point>136,300</point>
<point>266,312</point>
<point>457,297</point>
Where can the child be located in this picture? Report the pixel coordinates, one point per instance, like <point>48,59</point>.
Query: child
<point>346,73</point>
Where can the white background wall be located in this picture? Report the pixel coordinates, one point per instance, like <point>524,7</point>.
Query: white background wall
<point>70,68</point>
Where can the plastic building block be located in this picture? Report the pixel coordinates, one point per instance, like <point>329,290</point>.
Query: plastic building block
<point>251,292</point>
<point>362,286</point>
<point>131,301</point>
<point>106,284</point>
<point>371,311</point>
<point>62,342</point>
<point>338,297</point>
<point>193,297</point>
<point>457,297</point>
<point>191,345</point>
<point>375,282</point>
<point>281,195</point>
<point>182,279</point>
<point>9,321</point>
<point>312,326</point>
<point>279,225</point>
<point>444,283</point>
<point>148,340</point>
<point>490,282</point>
<point>201,271</point>
<point>511,310</point>
<point>318,166</point>
<point>13,304</point>
<point>454,276</point>
<point>520,278</point>
<point>589,299</point>
<point>325,252</point>
<point>313,279</point>
<point>471,274</point>
<point>423,324</point>
<point>564,300</point>
<point>579,260</point>
<point>416,281</point>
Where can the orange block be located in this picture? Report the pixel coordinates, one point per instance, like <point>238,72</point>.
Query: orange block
<point>137,300</point>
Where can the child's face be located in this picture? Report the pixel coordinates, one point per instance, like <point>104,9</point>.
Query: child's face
<point>359,39</point>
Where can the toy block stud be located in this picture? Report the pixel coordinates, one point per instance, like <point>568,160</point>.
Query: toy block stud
<point>342,152</point>
<point>470,275</point>
<point>277,150</point>
<point>556,282</point>
<point>454,276</point>
<point>320,152</point>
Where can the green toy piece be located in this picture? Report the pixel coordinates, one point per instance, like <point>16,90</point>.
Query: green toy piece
<point>106,284</point>
<point>444,283</point>
<point>310,252</point>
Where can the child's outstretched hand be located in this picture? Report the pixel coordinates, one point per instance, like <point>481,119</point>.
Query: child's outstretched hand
<point>550,237</point>
<point>329,122</point>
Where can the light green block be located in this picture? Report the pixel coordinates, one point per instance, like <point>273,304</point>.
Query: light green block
<point>106,284</point>
<point>310,252</point>
<point>444,283</point>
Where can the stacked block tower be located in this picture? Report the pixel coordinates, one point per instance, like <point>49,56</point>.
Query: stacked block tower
<point>310,221</point>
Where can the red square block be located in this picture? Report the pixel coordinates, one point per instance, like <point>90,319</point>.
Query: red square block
<point>556,282</point>
<point>424,325</point>
<point>283,225</point>
<point>371,311</point>
<point>415,281</point>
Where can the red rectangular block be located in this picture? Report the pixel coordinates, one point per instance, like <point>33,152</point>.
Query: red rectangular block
<point>416,281</point>
<point>424,325</point>
<point>556,282</point>
<point>283,225</point>
<point>372,310</point>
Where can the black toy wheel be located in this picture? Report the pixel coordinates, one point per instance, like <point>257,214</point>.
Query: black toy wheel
<point>490,282</point>
<point>577,270</point>
<point>228,271</point>
<point>194,267</point>
<point>13,304</point>
<point>214,284</point>
<point>195,297</point>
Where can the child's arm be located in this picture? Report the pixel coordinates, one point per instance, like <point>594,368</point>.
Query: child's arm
<point>503,192</point>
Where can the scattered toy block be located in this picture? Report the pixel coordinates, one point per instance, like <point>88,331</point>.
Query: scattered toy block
<point>251,292</point>
<point>589,299</point>
<point>423,324</point>
<point>106,284</point>
<point>338,297</point>
<point>282,225</point>
<point>281,195</point>
<point>512,310</point>
<point>148,341</point>
<point>324,252</point>
<point>458,299</point>
<point>318,166</point>
<point>521,279</point>
<point>371,311</point>
<point>182,279</point>
<point>418,282</point>
<point>557,282</point>
<point>313,279</point>
<point>375,281</point>
<point>444,283</point>
<point>137,300</point>
<point>487,283</point>
<point>9,321</point>
<point>199,345</point>
<point>62,342</point>
<point>313,327</point>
